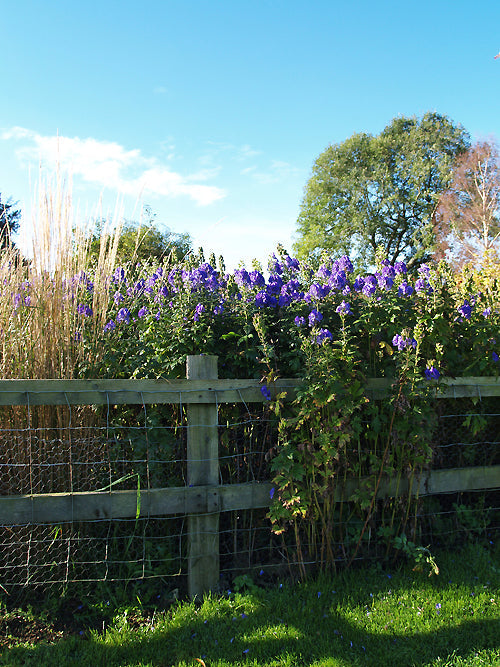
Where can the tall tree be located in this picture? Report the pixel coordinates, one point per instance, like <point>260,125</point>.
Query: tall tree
<point>468,216</point>
<point>145,241</point>
<point>380,191</point>
<point>9,222</point>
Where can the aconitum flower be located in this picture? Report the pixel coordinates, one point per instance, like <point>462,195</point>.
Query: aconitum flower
<point>83,309</point>
<point>257,279</point>
<point>314,317</point>
<point>274,284</point>
<point>241,277</point>
<point>384,282</point>
<point>292,263</point>
<point>346,264</point>
<point>338,280</point>
<point>358,283</point>
<point>369,285</point>
<point>142,312</point>
<point>110,326</point>
<point>200,308</point>
<point>263,299</point>
<point>265,392</point>
<point>432,373</point>
<point>487,312</point>
<point>317,291</point>
<point>300,321</point>
<point>119,275</point>
<point>401,343</point>
<point>494,356</point>
<point>421,285</point>
<point>465,310</point>
<point>322,336</point>
<point>400,267</point>
<point>405,289</point>
<point>344,308</point>
<point>123,315</point>
<point>118,297</point>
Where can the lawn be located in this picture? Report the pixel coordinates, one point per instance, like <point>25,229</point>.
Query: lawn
<point>366,616</point>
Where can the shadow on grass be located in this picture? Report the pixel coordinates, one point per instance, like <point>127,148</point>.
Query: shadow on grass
<point>293,627</point>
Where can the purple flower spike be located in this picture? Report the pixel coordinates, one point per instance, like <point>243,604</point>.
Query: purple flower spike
<point>432,373</point>
<point>265,392</point>
<point>323,336</point>
<point>123,315</point>
<point>314,317</point>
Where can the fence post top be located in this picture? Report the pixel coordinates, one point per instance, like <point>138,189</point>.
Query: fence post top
<point>201,367</point>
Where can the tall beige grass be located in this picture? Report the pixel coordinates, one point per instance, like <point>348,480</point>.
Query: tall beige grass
<point>40,327</point>
<point>43,336</point>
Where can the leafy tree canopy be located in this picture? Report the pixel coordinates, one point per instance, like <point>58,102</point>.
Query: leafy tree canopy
<point>145,242</point>
<point>9,222</point>
<point>371,192</point>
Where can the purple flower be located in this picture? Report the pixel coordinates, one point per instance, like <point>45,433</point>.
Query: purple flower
<point>338,280</point>
<point>465,310</point>
<point>314,317</point>
<point>346,264</point>
<point>241,277</point>
<point>200,308</point>
<point>110,326</point>
<point>400,267</point>
<point>265,392</point>
<point>323,336</point>
<point>142,312</point>
<point>300,321</point>
<point>494,356</point>
<point>123,315</point>
<point>119,276</point>
<point>432,373</point>
<point>83,309</point>
<point>487,312</point>
<point>344,308</point>
<point>118,297</point>
<point>257,279</point>
<point>405,289</point>
<point>317,291</point>
<point>271,493</point>
<point>400,342</point>
<point>421,285</point>
<point>292,262</point>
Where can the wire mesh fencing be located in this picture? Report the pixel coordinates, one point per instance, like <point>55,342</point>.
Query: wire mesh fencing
<point>83,454</point>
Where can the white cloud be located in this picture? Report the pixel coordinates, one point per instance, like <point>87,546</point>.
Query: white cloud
<point>109,165</point>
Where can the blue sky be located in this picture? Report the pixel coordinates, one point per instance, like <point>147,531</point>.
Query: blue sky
<point>213,112</point>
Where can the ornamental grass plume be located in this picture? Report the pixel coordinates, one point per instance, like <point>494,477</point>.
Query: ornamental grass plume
<point>46,297</point>
<point>51,319</point>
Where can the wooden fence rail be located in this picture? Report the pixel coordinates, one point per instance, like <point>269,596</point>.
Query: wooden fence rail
<point>203,498</point>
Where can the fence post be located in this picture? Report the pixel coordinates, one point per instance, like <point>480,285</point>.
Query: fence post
<point>203,469</point>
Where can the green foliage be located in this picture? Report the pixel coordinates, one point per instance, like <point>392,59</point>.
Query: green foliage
<point>380,191</point>
<point>144,242</point>
<point>9,222</point>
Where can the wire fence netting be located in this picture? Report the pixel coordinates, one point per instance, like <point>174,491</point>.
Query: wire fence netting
<point>70,449</point>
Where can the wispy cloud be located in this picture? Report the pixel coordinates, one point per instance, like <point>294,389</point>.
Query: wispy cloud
<point>276,172</point>
<point>109,165</point>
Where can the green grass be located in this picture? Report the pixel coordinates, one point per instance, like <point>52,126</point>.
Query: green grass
<point>362,617</point>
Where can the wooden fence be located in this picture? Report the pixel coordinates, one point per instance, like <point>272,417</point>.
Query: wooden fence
<point>203,498</point>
